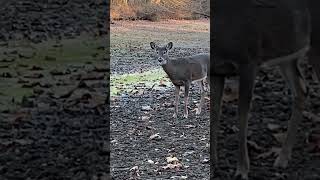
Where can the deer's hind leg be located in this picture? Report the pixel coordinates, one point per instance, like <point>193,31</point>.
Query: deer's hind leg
<point>186,98</point>
<point>295,81</point>
<point>202,93</point>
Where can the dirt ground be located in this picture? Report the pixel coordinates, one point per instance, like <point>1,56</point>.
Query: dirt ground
<point>143,132</point>
<point>147,143</point>
<point>54,119</point>
<point>53,91</point>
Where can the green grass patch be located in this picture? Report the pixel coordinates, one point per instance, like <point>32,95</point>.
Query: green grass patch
<point>48,55</point>
<point>126,82</point>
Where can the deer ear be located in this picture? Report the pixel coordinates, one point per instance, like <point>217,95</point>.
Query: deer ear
<point>169,45</point>
<point>153,45</point>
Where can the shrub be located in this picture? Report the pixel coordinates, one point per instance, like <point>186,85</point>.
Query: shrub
<point>155,10</point>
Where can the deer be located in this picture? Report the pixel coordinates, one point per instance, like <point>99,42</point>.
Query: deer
<point>248,35</point>
<point>182,72</point>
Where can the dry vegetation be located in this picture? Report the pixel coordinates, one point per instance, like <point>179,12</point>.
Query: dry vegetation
<point>155,10</point>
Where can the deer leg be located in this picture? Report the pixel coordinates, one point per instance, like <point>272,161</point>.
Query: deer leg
<point>176,101</point>
<point>202,93</point>
<point>186,99</point>
<point>206,88</point>
<point>246,85</point>
<point>293,77</point>
<point>316,68</point>
<point>218,84</point>
<point>208,84</point>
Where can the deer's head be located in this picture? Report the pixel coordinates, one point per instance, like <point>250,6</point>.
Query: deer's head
<point>161,52</point>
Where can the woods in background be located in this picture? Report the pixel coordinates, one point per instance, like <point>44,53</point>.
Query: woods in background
<point>155,10</point>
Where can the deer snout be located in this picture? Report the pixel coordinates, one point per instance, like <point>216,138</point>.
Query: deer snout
<point>161,59</point>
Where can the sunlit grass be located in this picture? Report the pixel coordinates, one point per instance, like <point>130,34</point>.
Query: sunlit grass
<point>126,82</point>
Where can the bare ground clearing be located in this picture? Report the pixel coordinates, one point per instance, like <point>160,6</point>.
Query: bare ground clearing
<point>143,132</point>
<point>146,113</point>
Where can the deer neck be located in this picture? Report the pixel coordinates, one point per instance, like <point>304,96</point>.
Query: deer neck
<point>168,68</point>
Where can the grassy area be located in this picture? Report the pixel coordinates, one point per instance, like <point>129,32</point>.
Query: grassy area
<point>127,82</point>
<point>48,55</point>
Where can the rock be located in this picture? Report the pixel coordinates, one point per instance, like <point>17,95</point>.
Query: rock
<point>26,54</point>
<point>146,108</point>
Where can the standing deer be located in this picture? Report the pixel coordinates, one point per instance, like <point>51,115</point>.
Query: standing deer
<point>182,72</point>
<point>249,34</point>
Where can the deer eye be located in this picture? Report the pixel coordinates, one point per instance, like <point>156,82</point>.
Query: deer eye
<point>165,52</point>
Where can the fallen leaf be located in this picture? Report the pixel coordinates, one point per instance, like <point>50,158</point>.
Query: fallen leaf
<point>134,168</point>
<point>150,161</point>
<point>172,166</point>
<point>172,159</point>
<point>146,108</point>
<point>188,153</point>
<point>168,105</point>
<point>206,160</point>
<point>189,126</point>
<point>145,118</point>
<point>140,92</point>
<point>179,177</point>
<point>162,83</point>
<point>155,136</point>
<point>235,128</point>
<point>114,141</point>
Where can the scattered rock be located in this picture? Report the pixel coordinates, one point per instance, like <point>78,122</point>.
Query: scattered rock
<point>146,108</point>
